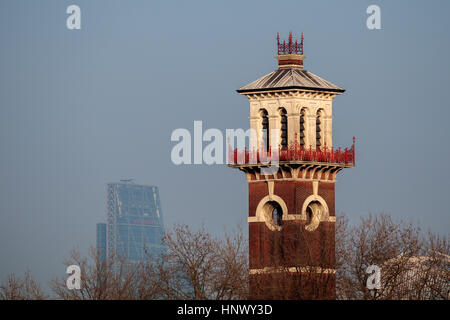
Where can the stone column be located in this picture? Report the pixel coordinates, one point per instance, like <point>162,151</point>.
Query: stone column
<point>255,134</point>
<point>310,135</point>
<point>275,131</point>
<point>328,128</point>
<point>293,127</point>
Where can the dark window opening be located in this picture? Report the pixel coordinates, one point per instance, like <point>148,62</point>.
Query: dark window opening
<point>277,215</point>
<point>284,128</point>
<point>265,128</point>
<point>308,215</point>
<point>302,128</point>
<point>318,130</point>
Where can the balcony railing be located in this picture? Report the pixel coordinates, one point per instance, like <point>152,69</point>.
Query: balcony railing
<point>294,152</point>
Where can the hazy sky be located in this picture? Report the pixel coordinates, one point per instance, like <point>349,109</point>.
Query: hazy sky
<point>82,108</point>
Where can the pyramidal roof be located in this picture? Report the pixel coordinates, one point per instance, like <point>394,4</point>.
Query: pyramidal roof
<point>290,74</point>
<point>290,78</point>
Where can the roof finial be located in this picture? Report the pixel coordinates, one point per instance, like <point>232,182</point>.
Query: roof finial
<point>290,52</point>
<point>290,42</point>
<point>278,43</point>
<point>301,44</point>
<point>290,47</point>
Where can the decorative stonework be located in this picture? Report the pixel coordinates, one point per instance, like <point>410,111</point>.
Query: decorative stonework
<point>295,172</point>
<point>264,211</point>
<point>315,203</point>
<point>293,270</point>
<point>293,102</point>
<point>317,207</point>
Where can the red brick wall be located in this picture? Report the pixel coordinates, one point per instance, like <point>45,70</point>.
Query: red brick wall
<point>326,191</point>
<point>289,286</point>
<point>293,245</point>
<point>294,193</point>
<point>256,192</point>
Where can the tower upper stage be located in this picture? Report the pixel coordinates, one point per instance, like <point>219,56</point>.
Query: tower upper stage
<point>291,115</point>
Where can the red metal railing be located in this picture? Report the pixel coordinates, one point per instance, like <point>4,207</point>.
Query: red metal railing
<point>294,152</point>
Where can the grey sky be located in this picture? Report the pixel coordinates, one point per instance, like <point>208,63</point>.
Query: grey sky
<point>79,109</point>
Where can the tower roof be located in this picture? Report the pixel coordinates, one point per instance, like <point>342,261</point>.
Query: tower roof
<point>290,73</point>
<point>290,78</point>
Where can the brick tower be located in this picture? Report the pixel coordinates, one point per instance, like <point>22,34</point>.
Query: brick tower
<point>291,167</point>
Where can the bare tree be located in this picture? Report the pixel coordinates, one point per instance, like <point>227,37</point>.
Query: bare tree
<point>113,279</point>
<point>231,281</point>
<point>195,266</point>
<point>16,288</point>
<point>198,266</point>
<point>413,266</point>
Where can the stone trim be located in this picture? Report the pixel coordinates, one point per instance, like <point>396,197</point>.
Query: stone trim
<point>290,217</point>
<point>307,269</point>
<point>296,93</point>
<point>261,215</point>
<point>298,171</point>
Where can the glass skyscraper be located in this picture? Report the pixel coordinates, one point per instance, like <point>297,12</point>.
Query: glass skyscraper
<point>134,226</point>
<point>101,241</point>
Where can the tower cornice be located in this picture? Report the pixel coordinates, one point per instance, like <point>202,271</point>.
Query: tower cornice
<point>299,93</point>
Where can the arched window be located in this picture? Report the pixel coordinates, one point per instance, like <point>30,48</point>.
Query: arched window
<point>284,128</point>
<point>265,129</point>
<point>272,212</point>
<point>314,214</point>
<point>318,129</point>
<point>308,215</point>
<point>302,128</point>
<point>277,214</point>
